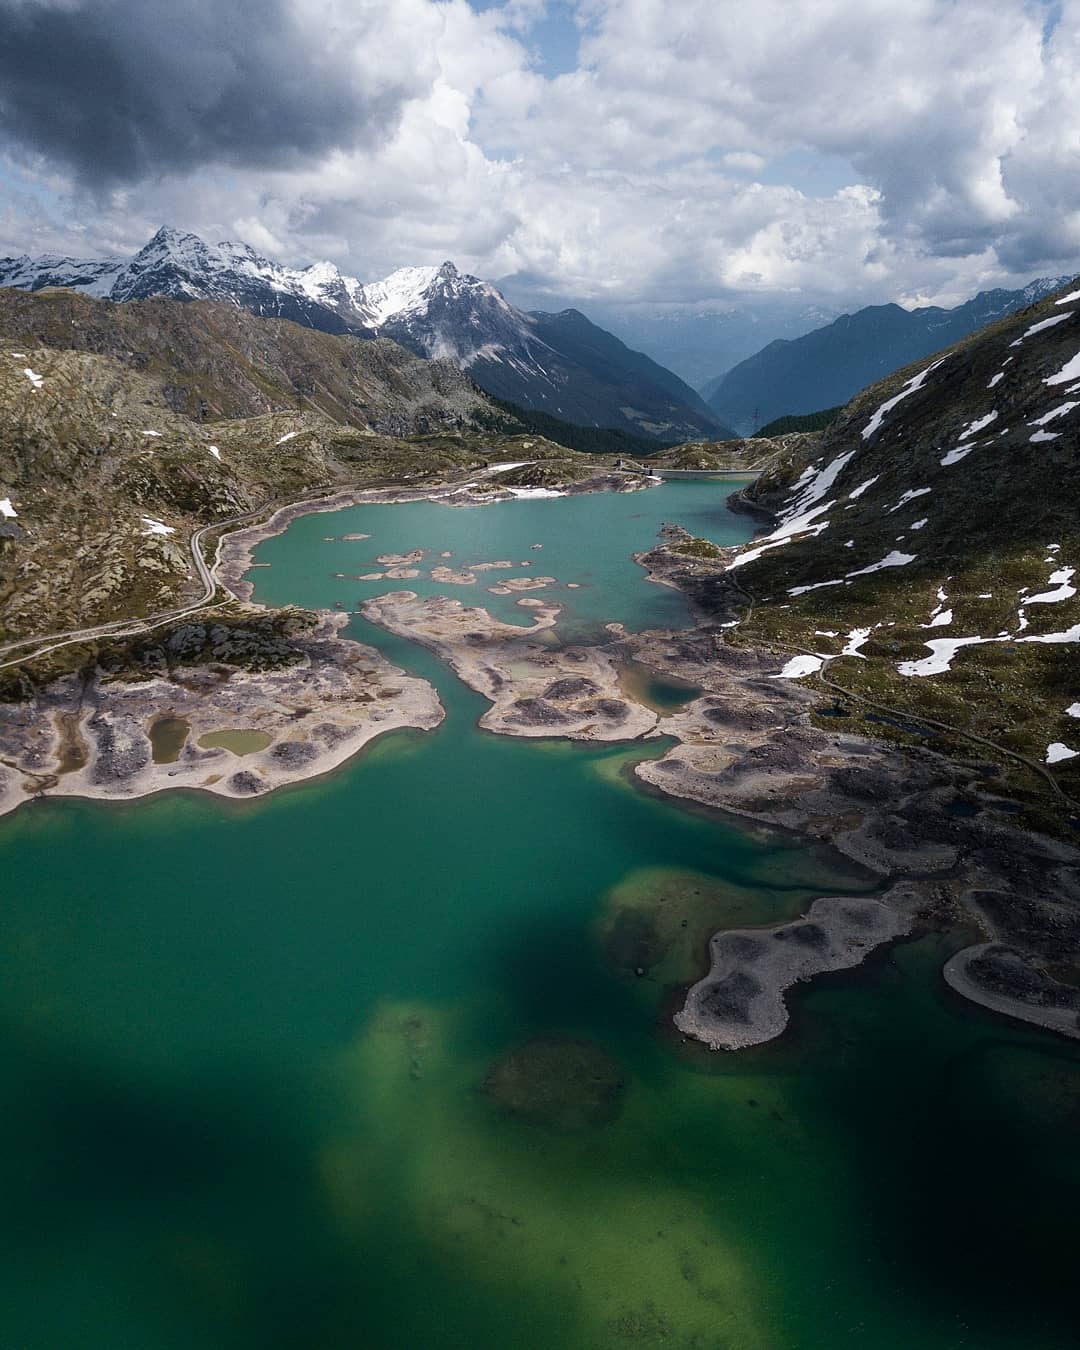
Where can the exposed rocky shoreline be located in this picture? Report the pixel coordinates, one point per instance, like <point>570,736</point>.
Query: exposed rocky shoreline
<point>91,734</point>
<point>943,843</point>
<point>535,688</point>
<point>748,747</point>
<point>94,737</point>
<point>1000,978</point>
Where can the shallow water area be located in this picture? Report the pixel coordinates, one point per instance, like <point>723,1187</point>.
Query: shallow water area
<point>239,740</point>
<point>661,693</point>
<point>369,1062</point>
<point>168,736</point>
<point>586,542</point>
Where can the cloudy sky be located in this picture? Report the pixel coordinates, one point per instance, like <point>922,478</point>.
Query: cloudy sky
<point>605,151</point>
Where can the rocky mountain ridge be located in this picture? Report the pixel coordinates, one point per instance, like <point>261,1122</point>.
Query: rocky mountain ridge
<point>559,364</point>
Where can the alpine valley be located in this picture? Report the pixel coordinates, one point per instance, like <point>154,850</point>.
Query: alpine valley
<point>473,880</point>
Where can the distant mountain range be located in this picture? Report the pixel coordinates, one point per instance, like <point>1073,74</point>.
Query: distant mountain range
<point>559,364</point>
<point>699,345</point>
<point>828,366</point>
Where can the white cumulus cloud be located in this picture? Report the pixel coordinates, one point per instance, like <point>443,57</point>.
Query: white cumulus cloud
<point>661,167</point>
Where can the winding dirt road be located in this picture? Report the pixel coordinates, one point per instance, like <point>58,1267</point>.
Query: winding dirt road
<point>51,642</point>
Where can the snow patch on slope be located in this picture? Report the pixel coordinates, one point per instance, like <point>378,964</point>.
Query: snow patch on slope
<point>973,428</point>
<point>942,651</point>
<point>893,559</point>
<point>1067,635</point>
<point>1062,410</point>
<point>1044,323</point>
<point>784,534</point>
<point>909,496</point>
<point>1069,371</point>
<point>916,382</point>
<point>799,666</point>
<point>1061,580</point>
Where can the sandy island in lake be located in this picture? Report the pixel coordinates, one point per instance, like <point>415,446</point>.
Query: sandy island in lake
<point>448,577</point>
<point>512,584</point>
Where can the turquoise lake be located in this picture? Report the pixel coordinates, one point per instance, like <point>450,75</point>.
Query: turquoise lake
<point>248,1044</point>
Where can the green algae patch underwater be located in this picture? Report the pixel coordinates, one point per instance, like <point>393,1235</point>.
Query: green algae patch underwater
<point>528,1236</point>
<point>562,1082</point>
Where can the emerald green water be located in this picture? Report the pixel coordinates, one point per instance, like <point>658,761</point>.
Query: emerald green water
<point>245,1044</point>
<point>586,548</point>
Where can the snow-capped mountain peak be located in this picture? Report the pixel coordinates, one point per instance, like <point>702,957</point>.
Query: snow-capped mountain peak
<point>176,243</point>
<point>173,248</point>
<point>322,283</point>
<point>1041,287</point>
<point>400,292</point>
<point>94,277</point>
<point>545,362</point>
